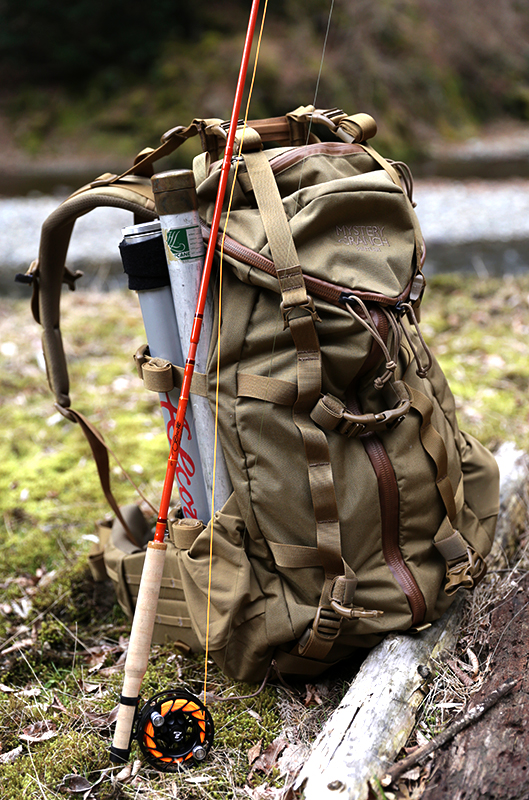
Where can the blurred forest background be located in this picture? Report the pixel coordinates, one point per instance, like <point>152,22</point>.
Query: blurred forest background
<point>104,76</point>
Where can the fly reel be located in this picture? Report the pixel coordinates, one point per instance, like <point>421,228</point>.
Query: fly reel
<point>174,730</point>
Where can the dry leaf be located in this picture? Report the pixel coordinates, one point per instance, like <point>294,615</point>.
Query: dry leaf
<point>18,646</point>
<point>312,695</point>
<point>89,688</point>
<point>108,671</point>
<point>6,689</point>
<point>412,774</point>
<point>31,691</point>
<point>12,755</point>
<point>474,662</point>
<point>57,705</point>
<point>103,720</point>
<point>39,731</point>
<point>263,792</point>
<point>268,758</point>
<point>254,752</point>
<point>292,759</point>
<point>74,784</point>
<point>125,773</point>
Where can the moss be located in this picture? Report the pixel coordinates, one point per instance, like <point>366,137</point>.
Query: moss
<point>477,330</point>
<point>46,766</point>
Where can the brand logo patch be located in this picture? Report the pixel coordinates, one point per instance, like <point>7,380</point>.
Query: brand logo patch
<point>185,243</point>
<point>362,237</point>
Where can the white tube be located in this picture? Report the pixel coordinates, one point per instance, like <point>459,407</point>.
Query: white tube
<point>162,335</point>
<point>185,252</point>
<point>143,257</point>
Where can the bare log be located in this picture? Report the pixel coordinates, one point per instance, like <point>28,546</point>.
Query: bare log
<point>489,758</point>
<point>372,723</point>
<point>364,735</point>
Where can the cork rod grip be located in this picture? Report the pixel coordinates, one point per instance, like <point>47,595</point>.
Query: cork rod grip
<point>139,647</point>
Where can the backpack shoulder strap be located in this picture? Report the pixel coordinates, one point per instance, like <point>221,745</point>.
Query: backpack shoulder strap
<point>49,273</point>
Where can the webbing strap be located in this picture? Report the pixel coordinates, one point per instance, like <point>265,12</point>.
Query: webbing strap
<point>433,443</point>
<point>264,387</point>
<point>100,453</point>
<point>392,172</point>
<point>294,556</point>
<point>299,315</point>
<point>160,375</point>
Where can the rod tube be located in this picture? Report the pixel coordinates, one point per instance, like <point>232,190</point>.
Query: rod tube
<point>204,283</point>
<point>177,205</point>
<point>143,256</point>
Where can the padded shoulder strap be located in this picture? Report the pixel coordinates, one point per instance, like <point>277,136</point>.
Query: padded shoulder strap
<point>132,194</point>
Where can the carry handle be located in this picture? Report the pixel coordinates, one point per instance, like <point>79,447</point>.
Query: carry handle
<point>293,129</point>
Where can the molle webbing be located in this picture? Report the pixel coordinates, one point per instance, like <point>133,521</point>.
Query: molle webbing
<point>300,317</point>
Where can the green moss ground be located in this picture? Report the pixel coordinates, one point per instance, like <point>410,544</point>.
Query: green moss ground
<point>60,635</point>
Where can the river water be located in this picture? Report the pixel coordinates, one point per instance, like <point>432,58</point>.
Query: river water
<point>478,226</point>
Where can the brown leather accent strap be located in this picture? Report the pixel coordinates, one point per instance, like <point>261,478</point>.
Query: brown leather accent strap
<point>388,493</point>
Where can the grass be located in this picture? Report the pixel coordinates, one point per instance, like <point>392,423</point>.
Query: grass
<point>62,636</point>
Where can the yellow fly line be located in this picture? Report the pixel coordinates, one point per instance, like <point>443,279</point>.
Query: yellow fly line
<point>256,59</point>
<point>230,202</point>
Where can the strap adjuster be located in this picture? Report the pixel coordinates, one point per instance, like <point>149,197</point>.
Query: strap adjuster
<point>286,311</point>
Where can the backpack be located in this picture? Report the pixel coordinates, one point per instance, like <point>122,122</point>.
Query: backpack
<point>358,506</point>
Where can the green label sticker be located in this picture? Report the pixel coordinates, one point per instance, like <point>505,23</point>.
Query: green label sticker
<point>185,243</point>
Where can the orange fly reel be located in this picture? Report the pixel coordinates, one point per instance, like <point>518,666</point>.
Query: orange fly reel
<point>174,730</point>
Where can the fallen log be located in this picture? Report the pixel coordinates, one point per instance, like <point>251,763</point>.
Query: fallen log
<point>365,734</point>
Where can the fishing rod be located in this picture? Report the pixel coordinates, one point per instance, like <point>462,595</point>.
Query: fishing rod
<point>174,728</point>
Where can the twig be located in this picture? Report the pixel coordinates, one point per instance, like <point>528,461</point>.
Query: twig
<point>467,718</point>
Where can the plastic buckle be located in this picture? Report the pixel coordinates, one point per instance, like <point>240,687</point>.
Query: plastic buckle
<point>350,428</point>
<point>326,625</point>
<point>392,418</point>
<point>309,306</point>
<point>225,126</point>
<point>327,117</point>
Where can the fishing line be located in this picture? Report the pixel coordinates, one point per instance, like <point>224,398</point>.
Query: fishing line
<point>221,266</point>
<point>246,514</point>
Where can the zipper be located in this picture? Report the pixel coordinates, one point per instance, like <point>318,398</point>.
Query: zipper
<point>388,493</point>
<point>297,154</point>
<point>324,290</point>
<point>294,155</point>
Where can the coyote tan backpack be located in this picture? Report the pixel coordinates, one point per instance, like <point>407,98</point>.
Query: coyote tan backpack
<point>358,505</point>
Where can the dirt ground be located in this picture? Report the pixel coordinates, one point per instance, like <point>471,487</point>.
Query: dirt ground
<point>489,760</point>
